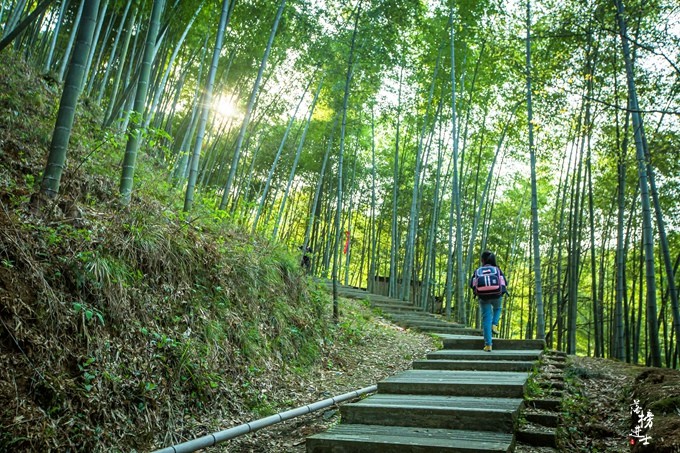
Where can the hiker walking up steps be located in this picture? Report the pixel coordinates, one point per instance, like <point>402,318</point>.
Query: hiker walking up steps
<point>488,284</point>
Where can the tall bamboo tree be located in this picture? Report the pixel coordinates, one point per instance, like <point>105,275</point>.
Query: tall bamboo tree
<point>132,147</point>
<point>372,230</point>
<point>98,28</point>
<point>249,108</point>
<point>55,34</point>
<point>272,169</point>
<point>394,231</point>
<point>118,77</point>
<point>71,40</point>
<point>160,88</point>
<point>647,233</point>
<point>69,100</point>
<point>9,36</point>
<point>341,152</point>
<point>540,322</point>
<point>454,208</point>
<point>409,248</point>
<point>206,104</point>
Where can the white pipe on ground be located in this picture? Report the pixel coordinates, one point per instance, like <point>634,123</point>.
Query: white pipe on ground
<point>221,436</point>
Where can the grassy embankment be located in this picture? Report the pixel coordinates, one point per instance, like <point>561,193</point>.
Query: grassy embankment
<point>134,328</point>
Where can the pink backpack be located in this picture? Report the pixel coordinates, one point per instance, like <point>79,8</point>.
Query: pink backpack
<point>488,281</point>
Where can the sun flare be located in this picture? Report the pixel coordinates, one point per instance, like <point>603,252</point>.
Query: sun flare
<point>224,107</point>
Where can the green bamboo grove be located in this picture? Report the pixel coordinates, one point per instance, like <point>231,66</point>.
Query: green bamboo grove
<point>398,139</point>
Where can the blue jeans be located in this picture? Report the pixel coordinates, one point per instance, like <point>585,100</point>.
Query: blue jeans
<point>491,314</point>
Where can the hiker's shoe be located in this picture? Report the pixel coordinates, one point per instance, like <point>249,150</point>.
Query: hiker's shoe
<point>495,330</point>
<point>487,348</point>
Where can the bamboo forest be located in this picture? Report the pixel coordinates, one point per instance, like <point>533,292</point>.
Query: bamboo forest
<point>402,138</point>
<point>384,143</point>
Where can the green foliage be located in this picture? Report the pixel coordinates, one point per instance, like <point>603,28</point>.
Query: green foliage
<point>89,373</point>
<point>352,330</point>
<point>89,314</point>
<point>533,387</point>
<point>572,407</point>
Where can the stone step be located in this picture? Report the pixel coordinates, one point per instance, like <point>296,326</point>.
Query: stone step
<point>414,324</point>
<point>431,317</point>
<point>444,336</point>
<point>554,376</point>
<point>449,323</point>
<point>545,404</point>
<point>421,315</point>
<point>542,418</point>
<point>351,293</point>
<point>435,411</point>
<point>456,383</point>
<point>556,358</point>
<point>498,344</point>
<point>453,330</point>
<point>420,321</point>
<point>441,329</point>
<point>538,437</point>
<point>558,365</point>
<point>363,295</point>
<point>461,399</point>
<point>396,308</point>
<point>474,365</point>
<point>404,313</point>
<point>478,354</point>
<point>557,394</point>
<point>385,303</point>
<point>552,385</point>
<point>416,316</point>
<point>350,438</point>
<point>427,322</point>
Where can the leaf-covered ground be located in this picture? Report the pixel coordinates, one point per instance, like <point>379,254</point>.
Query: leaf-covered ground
<point>602,398</point>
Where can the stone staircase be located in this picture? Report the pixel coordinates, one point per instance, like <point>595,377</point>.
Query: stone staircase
<point>457,399</point>
<point>542,414</point>
<point>403,313</point>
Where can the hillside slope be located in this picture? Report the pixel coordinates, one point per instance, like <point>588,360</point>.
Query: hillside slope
<point>127,329</point>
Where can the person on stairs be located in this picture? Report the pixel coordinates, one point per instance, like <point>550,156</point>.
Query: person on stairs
<point>489,285</point>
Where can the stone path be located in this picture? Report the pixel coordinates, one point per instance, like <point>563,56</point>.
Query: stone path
<point>458,399</point>
<point>403,313</point>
